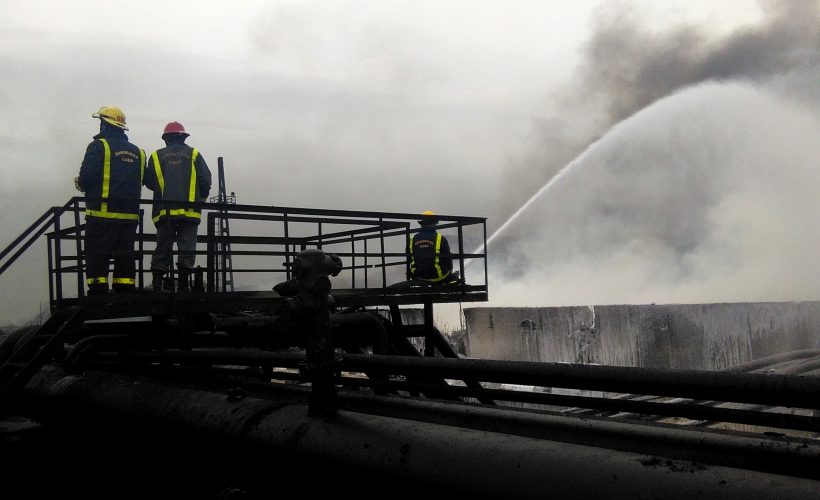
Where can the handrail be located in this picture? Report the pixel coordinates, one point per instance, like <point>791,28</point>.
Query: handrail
<point>54,212</point>
<point>369,243</point>
<point>25,233</point>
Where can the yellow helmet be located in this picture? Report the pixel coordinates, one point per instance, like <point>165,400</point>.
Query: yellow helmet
<point>112,115</point>
<point>428,218</point>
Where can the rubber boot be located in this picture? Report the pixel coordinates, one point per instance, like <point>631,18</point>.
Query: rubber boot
<point>156,283</point>
<point>98,289</point>
<point>199,282</point>
<point>120,288</point>
<point>184,283</point>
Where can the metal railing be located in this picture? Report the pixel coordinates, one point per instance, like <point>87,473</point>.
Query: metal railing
<point>263,244</point>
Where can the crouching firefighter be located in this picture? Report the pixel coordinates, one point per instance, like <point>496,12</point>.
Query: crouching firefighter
<point>428,254</point>
<point>178,175</point>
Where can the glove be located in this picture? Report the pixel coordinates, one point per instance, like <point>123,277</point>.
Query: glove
<point>77,184</point>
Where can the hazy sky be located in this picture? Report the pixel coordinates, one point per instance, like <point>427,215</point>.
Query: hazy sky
<point>462,107</point>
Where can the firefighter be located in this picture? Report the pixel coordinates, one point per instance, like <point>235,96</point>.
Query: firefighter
<point>428,253</point>
<point>176,174</point>
<point>111,178</point>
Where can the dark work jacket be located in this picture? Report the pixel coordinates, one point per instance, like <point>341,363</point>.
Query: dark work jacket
<point>177,173</point>
<point>112,169</point>
<point>429,255</point>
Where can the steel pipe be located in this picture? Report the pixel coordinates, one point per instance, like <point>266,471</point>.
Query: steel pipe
<point>755,388</point>
<point>395,456</point>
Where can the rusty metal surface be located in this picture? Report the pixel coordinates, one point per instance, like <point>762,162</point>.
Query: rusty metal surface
<point>485,461</point>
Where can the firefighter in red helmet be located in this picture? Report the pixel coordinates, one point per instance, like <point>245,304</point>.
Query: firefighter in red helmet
<point>178,175</point>
<point>111,178</point>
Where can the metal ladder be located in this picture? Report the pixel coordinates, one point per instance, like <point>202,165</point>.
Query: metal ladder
<point>224,265</point>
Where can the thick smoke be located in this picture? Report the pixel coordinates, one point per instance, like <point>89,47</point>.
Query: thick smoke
<point>708,195</point>
<point>707,189</point>
<point>627,65</point>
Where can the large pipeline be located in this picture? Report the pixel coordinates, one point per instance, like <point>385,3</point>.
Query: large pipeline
<point>376,448</point>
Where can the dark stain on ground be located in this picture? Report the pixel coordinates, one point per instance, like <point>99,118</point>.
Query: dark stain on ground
<point>672,465</point>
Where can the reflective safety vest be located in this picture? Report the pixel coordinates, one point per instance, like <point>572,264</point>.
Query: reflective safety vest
<point>188,212</point>
<point>118,181</point>
<point>436,257</point>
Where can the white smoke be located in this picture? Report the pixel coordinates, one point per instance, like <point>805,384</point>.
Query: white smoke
<point>708,195</point>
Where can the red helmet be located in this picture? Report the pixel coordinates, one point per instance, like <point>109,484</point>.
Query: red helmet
<point>174,128</point>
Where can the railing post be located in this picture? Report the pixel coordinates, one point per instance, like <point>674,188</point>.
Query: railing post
<point>140,249</point>
<point>429,346</point>
<point>484,249</point>
<point>211,252</point>
<point>366,269</point>
<point>288,274</point>
<point>79,245</point>
<point>52,300</point>
<point>353,262</point>
<point>461,257</point>
<point>58,256</point>
<point>384,261</point>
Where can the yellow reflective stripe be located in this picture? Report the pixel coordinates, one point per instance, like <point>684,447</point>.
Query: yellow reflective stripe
<point>124,281</point>
<point>192,187</point>
<point>158,170</point>
<point>112,215</point>
<point>412,258</point>
<point>433,280</point>
<point>438,257</point>
<point>187,212</point>
<point>106,174</point>
<point>91,281</point>
<point>142,165</point>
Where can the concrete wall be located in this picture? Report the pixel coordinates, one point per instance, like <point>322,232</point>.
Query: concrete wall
<point>691,336</point>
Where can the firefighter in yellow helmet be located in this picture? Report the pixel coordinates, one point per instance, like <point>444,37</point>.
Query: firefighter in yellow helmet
<point>428,253</point>
<point>177,174</point>
<point>111,178</point>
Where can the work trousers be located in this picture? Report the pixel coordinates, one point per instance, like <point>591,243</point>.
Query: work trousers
<point>107,239</point>
<point>183,232</point>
